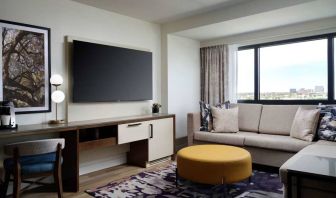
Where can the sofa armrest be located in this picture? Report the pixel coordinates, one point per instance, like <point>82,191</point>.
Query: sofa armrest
<point>193,125</point>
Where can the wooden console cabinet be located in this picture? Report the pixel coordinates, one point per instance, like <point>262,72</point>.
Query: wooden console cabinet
<point>159,144</point>
<point>151,138</point>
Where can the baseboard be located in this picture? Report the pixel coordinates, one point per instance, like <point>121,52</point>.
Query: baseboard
<point>158,161</point>
<point>181,143</point>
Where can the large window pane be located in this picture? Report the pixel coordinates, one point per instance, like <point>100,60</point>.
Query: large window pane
<point>245,75</point>
<point>334,69</point>
<point>295,71</point>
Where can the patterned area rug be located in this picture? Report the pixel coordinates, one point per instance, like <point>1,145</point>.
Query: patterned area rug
<point>161,183</point>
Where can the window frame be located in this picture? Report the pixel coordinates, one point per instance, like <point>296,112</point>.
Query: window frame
<point>331,78</point>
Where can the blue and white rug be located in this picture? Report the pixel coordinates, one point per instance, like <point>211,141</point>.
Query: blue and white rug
<point>161,183</point>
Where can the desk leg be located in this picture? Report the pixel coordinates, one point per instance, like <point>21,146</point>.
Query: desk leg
<point>298,186</point>
<point>70,166</point>
<point>289,185</point>
<point>176,179</point>
<point>138,154</point>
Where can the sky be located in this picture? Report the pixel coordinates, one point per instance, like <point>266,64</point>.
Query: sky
<point>282,67</point>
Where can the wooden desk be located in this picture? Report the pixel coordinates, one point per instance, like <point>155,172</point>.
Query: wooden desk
<point>145,133</point>
<point>312,176</point>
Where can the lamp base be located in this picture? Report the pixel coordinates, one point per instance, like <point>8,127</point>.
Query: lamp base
<point>56,122</point>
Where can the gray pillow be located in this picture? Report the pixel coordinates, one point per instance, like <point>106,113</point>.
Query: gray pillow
<point>225,120</point>
<point>305,124</point>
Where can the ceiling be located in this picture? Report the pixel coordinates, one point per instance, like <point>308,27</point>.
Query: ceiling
<point>240,21</point>
<point>160,11</point>
<point>280,17</point>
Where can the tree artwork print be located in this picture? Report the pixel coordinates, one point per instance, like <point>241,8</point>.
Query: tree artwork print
<point>25,68</point>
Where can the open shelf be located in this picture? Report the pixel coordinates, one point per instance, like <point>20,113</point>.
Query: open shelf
<point>105,142</point>
<point>98,137</point>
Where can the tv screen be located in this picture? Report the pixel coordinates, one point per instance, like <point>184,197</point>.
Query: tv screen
<point>103,73</point>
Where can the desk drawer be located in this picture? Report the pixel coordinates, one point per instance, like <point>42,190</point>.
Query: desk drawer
<point>133,132</point>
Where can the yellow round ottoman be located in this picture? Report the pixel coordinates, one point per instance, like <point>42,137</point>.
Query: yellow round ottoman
<point>214,164</point>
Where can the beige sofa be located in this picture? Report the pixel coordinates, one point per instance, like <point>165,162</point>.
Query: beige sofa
<point>263,130</point>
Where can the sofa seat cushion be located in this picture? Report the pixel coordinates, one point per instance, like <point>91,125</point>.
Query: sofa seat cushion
<point>320,148</point>
<point>276,142</point>
<point>326,142</point>
<point>235,139</point>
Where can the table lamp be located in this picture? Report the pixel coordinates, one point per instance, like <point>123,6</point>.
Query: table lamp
<point>57,96</point>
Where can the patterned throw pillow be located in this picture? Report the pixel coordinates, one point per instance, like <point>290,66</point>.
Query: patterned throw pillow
<point>206,116</point>
<point>327,130</point>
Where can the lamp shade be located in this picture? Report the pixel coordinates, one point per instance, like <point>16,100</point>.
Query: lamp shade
<point>57,96</point>
<point>56,79</point>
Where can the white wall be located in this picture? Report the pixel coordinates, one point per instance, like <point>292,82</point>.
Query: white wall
<point>65,17</point>
<point>183,79</point>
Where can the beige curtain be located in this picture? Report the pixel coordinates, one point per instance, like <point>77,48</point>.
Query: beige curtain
<point>214,74</point>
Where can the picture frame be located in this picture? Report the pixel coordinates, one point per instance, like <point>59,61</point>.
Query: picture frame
<point>25,67</point>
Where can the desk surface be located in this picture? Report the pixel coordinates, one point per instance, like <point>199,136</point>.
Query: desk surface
<point>36,129</point>
<point>314,165</point>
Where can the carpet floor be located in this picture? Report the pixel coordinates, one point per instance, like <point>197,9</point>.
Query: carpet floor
<point>161,183</point>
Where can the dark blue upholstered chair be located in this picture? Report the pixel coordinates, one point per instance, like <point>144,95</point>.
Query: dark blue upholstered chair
<point>32,159</point>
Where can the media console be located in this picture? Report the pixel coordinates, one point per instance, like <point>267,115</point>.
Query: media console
<point>151,137</point>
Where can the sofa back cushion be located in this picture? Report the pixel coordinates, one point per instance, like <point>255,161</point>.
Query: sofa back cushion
<point>249,117</point>
<point>277,119</point>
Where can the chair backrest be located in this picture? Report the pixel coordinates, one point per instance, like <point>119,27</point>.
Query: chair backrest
<point>34,147</point>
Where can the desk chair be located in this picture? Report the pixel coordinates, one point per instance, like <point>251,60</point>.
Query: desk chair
<point>32,159</point>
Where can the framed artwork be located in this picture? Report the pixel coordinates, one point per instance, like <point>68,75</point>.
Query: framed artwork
<point>25,66</point>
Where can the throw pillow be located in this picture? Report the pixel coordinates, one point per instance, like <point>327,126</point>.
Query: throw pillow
<point>327,129</point>
<point>225,120</point>
<point>304,124</point>
<point>206,118</point>
<point>225,105</point>
<point>206,115</point>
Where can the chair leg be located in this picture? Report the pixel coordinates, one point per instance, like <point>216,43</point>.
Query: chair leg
<point>59,185</point>
<point>17,174</point>
<point>58,172</point>
<point>17,186</point>
<point>5,184</point>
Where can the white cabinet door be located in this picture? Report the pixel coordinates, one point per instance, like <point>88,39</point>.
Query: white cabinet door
<point>161,144</point>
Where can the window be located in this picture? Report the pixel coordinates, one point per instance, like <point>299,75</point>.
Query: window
<point>295,71</point>
<point>245,74</point>
<point>334,67</point>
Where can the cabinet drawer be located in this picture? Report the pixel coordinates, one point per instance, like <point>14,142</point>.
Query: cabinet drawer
<point>133,132</point>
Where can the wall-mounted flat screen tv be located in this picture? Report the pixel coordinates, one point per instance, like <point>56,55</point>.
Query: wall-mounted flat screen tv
<point>103,73</point>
